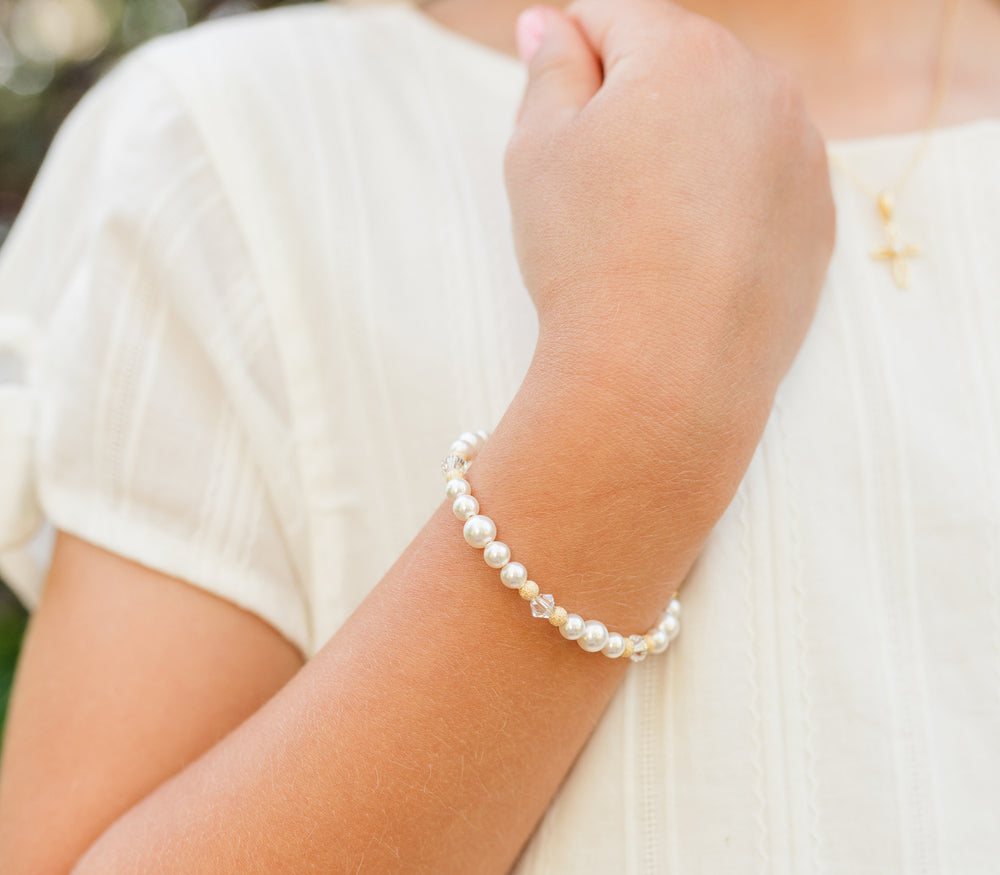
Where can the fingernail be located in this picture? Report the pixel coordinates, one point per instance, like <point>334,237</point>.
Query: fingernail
<point>529,32</point>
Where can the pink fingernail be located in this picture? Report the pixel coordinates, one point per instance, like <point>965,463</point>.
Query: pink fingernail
<point>529,32</point>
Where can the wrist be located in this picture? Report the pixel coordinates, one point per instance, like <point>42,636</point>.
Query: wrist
<point>662,420</point>
<point>480,532</point>
<point>593,498</point>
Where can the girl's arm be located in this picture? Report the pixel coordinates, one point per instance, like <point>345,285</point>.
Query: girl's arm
<point>427,736</point>
<point>431,732</point>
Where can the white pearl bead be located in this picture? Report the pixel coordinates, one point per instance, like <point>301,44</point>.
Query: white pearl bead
<point>456,487</point>
<point>615,645</point>
<point>479,531</point>
<point>514,575</point>
<point>485,435</point>
<point>594,637</point>
<point>658,639</point>
<point>671,625</point>
<point>497,554</point>
<point>464,507</point>
<point>573,627</point>
<point>473,440</point>
<point>674,608</point>
<point>461,448</point>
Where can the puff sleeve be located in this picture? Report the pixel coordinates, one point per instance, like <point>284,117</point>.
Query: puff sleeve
<point>153,421</point>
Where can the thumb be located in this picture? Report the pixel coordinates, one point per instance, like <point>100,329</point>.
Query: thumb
<point>563,71</point>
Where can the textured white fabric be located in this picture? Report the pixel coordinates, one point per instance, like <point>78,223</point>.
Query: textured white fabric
<point>269,275</point>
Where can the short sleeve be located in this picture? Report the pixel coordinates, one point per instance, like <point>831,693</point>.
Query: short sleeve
<point>161,428</point>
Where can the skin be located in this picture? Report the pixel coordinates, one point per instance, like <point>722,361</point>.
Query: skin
<point>865,69</point>
<point>399,748</point>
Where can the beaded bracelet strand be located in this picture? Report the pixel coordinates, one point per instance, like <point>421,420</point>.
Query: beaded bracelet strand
<point>481,532</point>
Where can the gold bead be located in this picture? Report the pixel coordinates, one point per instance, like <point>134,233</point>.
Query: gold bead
<point>629,648</point>
<point>558,617</point>
<point>529,591</point>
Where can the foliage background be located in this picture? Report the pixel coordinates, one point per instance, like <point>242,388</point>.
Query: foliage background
<point>51,52</point>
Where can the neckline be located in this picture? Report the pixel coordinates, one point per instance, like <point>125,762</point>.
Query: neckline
<point>514,69</point>
<point>909,139</point>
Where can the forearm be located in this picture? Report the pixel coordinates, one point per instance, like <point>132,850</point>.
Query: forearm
<point>432,731</point>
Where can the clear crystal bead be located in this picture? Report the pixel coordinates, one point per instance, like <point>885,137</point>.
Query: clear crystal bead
<point>542,606</point>
<point>639,648</point>
<point>454,466</point>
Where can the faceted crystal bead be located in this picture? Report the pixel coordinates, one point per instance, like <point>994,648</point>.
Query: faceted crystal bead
<point>542,606</point>
<point>639,648</point>
<point>454,466</point>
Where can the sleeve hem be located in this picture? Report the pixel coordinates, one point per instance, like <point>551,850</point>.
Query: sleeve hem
<point>175,557</point>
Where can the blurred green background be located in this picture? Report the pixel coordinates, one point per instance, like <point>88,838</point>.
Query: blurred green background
<point>51,52</point>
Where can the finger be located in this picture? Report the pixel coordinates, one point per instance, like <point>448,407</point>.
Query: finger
<point>563,71</point>
<point>618,28</point>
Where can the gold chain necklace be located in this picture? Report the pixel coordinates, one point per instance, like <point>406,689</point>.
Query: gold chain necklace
<point>895,251</point>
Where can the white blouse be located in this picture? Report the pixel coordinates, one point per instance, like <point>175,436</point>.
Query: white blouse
<point>266,275</point>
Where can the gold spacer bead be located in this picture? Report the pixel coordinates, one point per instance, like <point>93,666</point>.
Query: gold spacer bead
<point>529,591</point>
<point>558,617</point>
<point>629,648</point>
<point>649,644</point>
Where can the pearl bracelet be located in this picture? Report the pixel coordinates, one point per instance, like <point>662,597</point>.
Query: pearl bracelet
<point>480,532</point>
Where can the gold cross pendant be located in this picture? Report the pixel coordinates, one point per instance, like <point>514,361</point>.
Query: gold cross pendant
<point>895,251</point>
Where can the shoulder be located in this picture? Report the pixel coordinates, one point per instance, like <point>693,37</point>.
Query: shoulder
<point>249,72</point>
<point>270,53</point>
<point>287,94</point>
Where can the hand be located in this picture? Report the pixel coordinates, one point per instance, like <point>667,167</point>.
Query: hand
<point>673,222</point>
